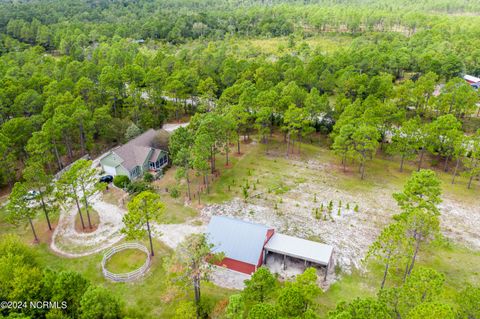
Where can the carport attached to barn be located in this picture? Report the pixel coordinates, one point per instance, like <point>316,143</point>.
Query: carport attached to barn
<point>303,249</point>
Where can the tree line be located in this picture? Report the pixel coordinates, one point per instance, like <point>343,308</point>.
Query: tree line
<point>23,278</point>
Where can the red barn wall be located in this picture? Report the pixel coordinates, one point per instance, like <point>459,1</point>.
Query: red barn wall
<point>236,265</point>
<point>270,233</point>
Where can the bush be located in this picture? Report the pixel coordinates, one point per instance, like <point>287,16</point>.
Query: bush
<point>99,303</point>
<point>121,181</point>
<point>138,187</point>
<point>174,192</point>
<point>148,177</point>
<point>132,132</point>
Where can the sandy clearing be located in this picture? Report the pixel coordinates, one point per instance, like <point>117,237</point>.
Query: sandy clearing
<point>350,233</point>
<point>170,127</point>
<point>68,242</point>
<point>174,234</point>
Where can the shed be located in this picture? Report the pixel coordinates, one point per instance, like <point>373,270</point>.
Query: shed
<point>242,242</point>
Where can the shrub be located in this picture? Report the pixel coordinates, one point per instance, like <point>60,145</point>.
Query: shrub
<point>132,132</point>
<point>138,187</point>
<point>174,192</point>
<point>121,181</point>
<point>148,177</point>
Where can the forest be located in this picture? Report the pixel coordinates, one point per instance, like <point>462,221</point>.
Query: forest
<point>370,79</point>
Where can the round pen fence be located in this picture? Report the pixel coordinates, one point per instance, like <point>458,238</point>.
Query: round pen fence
<point>129,276</point>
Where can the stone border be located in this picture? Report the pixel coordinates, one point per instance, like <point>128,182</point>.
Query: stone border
<point>129,276</point>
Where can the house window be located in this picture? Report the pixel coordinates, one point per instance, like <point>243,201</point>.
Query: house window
<point>136,171</point>
<point>163,160</point>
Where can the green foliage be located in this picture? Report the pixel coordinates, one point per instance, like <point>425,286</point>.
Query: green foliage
<point>189,267</point>
<point>23,278</point>
<point>132,132</point>
<point>18,209</point>
<point>70,287</point>
<point>366,308</point>
<point>137,187</point>
<point>432,310</point>
<point>467,300</point>
<point>259,286</point>
<point>148,177</point>
<point>121,181</point>
<point>235,308</point>
<point>174,192</point>
<point>263,311</point>
<point>144,208</point>
<point>422,190</point>
<point>392,248</point>
<point>186,310</point>
<point>99,303</point>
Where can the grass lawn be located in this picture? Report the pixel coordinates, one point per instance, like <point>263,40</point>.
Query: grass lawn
<point>126,261</point>
<point>176,211</point>
<point>153,296</point>
<point>457,263</point>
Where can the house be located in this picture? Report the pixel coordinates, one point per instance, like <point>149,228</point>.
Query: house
<point>246,245</point>
<point>136,157</point>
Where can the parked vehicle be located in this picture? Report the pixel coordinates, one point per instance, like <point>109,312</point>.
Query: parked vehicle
<point>31,195</point>
<point>106,179</point>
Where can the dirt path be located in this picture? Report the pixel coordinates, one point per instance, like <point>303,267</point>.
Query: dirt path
<point>68,242</point>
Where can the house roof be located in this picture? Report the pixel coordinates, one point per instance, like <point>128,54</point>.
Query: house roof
<point>237,239</point>
<point>300,248</point>
<point>155,154</point>
<point>137,151</point>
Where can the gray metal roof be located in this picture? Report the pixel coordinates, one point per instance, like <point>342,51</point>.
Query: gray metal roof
<point>300,248</point>
<point>237,239</point>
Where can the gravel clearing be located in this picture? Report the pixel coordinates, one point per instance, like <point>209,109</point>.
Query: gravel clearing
<point>227,278</point>
<point>349,232</point>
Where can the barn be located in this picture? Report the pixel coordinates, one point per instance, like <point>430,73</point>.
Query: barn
<point>246,245</point>
<point>241,242</point>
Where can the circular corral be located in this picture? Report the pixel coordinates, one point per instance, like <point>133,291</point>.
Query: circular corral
<point>128,276</point>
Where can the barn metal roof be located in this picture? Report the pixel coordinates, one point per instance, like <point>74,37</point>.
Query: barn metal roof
<point>300,248</point>
<point>237,239</point>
